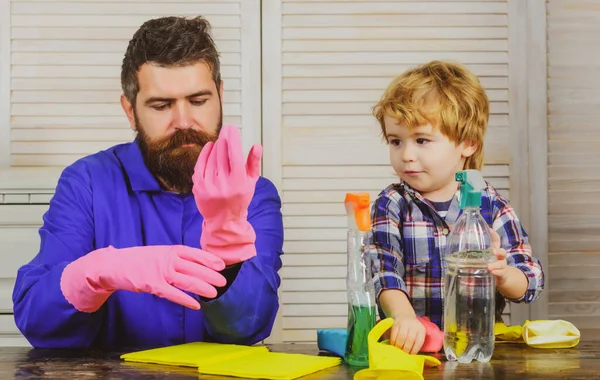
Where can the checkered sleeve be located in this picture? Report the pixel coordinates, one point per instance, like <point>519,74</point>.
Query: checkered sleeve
<point>385,243</point>
<point>519,254</point>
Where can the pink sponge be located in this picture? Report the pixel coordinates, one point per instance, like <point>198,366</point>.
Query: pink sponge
<point>434,337</point>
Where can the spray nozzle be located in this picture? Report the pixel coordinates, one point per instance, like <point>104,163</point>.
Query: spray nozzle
<point>471,184</point>
<point>357,208</point>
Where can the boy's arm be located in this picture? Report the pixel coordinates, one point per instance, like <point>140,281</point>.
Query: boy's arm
<point>386,252</point>
<point>395,303</point>
<point>525,279</point>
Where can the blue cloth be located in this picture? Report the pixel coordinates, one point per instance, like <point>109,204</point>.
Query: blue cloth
<point>111,198</point>
<point>332,340</point>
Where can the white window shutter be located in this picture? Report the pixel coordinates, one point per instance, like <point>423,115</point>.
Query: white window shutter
<point>331,65</point>
<point>65,76</point>
<point>60,66</point>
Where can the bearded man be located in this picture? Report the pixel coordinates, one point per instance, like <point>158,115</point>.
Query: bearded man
<point>168,239</point>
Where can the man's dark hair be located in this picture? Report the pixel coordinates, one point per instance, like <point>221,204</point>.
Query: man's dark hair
<point>169,42</point>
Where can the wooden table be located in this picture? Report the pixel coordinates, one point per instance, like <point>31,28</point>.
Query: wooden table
<point>510,361</point>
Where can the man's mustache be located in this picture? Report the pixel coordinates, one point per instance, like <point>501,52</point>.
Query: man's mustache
<point>182,137</point>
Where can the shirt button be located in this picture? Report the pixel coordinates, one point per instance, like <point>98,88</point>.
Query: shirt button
<point>445,231</point>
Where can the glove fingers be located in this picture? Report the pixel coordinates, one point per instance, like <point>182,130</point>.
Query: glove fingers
<point>193,285</point>
<point>175,295</point>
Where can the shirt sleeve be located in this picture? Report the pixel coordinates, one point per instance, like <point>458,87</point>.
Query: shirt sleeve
<point>515,241</point>
<point>385,245</point>
<point>246,311</point>
<point>41,312</point>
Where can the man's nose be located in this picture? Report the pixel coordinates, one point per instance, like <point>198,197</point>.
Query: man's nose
<point>182,116</point>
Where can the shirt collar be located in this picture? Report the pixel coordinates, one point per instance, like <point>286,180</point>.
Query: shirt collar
<point>139,175</point>
<point>454,210</point>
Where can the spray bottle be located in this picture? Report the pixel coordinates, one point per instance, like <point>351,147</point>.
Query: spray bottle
<point>469,287</point>
<point>359,284</point>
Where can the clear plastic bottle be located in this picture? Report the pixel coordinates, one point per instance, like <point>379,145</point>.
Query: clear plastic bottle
<point>469,310</point>
<point>361,293</point>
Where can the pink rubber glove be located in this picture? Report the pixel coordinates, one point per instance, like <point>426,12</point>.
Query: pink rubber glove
<point>88,281</point>
<point>223,189</point>
<point>434,337</point>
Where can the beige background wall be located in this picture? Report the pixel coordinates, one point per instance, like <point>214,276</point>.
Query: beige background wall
<point>300,77</point>
<point>574,163</point>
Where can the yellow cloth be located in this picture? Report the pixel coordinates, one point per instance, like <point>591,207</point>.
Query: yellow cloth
<point>507,333</point>
<point>551,334</point>
<point>235,360</point>
<point>540,333</point>
<point>192,354</point>
<point>271,365</point>
<point>391,362</point>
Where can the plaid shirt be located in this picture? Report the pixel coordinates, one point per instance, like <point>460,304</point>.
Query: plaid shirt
<point>408,237</point>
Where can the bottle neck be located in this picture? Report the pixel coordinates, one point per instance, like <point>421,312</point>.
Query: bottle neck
<point>471,210</point>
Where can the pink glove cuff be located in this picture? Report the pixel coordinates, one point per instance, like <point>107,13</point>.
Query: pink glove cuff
<point>232,241</point>
<point>78,291</point>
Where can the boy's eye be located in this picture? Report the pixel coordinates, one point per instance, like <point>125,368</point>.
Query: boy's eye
<point>422,141</point>
<point>395,142</point>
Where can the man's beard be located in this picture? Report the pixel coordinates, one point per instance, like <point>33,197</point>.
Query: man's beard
<point>169,161</point>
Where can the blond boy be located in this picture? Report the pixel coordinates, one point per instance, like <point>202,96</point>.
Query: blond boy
<point>434,119</point>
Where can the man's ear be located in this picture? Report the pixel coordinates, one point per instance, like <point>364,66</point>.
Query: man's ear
<point>129,112</point>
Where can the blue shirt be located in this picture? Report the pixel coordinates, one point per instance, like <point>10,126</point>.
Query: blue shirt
<point>111,198</point>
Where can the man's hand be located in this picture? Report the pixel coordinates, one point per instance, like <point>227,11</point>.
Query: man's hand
<point>161,270</point>
<point>223,189</point>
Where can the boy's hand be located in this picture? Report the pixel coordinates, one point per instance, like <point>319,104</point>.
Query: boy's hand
<point>407,333</point>
<point>498,268</point>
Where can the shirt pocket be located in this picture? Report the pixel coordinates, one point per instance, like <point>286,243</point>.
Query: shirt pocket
<point>418,241</point>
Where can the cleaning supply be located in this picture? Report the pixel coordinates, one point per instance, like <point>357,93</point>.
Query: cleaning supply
<point>193,354</point>
<point>361,293</point>
<point>391,362</point>
<point>88,281</point>
<point>551,334</point>
<point>254,362</point>
<point>469,298</point>
<point>540,334</point>
<point>271,365</point>
<point>332,340</point>
<point>434,337</point>
<point>506,333</point>
<point>223,188</point>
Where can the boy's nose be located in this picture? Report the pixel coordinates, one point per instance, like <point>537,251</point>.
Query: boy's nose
<point>408,154</point>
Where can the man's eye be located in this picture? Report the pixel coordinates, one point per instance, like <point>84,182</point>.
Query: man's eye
<point>198,102</point>
<point>160,107</point>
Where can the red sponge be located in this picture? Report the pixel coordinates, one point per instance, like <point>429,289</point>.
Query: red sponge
<point>434,337</point>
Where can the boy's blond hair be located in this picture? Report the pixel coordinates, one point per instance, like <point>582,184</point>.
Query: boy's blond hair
<point>444,94</point>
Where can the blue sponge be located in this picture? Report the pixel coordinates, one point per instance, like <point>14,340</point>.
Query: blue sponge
<point>332,340</point>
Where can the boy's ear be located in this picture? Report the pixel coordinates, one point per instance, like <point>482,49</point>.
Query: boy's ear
<point>468,149</point>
